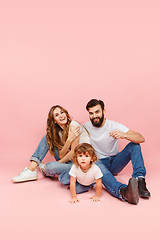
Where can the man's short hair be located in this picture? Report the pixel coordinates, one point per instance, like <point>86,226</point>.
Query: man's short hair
<point>93,103</point>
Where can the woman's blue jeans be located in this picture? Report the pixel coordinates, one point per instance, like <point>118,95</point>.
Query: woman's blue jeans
<point>54,167</point>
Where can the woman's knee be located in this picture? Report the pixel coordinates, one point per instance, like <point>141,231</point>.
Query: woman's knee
<point>50,169</point>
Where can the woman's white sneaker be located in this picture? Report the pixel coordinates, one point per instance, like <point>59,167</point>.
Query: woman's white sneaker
<point>26,175</point>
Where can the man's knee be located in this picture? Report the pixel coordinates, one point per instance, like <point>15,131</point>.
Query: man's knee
<point>134,146</point>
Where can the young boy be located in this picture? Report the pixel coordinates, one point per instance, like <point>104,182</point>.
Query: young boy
<point>84,171</point>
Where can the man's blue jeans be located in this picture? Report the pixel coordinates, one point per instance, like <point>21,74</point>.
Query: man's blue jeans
<point>110,166</point>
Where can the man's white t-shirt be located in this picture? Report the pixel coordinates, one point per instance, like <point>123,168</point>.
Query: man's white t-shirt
<point>104,145</point>
<point>86,178</point>
<point>84,136</point>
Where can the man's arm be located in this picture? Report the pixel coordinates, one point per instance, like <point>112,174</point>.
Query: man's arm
<point>130,135</point>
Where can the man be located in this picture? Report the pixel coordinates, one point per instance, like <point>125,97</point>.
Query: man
<point>104,136</point>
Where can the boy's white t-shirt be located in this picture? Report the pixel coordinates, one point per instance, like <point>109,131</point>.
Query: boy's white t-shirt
<point>104,145</point>
<point>86,178</point>
<point>84,136</point>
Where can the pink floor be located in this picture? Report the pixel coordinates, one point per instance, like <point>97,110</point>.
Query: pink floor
<point>68,52</point>
<point>40,210</point>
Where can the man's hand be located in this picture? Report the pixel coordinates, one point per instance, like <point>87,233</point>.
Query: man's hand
<point>117,134</point>
<point>130,136</point>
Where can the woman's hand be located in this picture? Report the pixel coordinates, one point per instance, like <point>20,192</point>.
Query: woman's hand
<point>73,133</point>
<point>74,200</point>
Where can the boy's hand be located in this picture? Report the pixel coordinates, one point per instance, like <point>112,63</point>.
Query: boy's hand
<point>95,198</point>
<point>74,200</point>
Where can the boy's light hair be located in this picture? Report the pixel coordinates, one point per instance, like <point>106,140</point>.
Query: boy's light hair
<point>84,148</point>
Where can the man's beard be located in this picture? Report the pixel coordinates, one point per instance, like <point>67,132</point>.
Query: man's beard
<point>98,123</point>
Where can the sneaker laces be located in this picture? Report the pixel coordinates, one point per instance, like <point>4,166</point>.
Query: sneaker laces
<point>23,171</point>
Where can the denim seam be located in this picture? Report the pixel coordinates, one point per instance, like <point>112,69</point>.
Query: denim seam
<point>115,193</point>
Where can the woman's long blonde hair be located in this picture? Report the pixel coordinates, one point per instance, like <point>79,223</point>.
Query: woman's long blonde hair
<point>54,131</point>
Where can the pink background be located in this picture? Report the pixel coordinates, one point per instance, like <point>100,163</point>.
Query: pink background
<point>67,52</point>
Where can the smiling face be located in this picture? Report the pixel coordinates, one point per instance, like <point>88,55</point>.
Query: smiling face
<point>96,115</point>
<point>84,160</point>
<point>60,117</point>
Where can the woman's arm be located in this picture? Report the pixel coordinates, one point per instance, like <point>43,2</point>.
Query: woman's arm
<point>96,197</point>
<point>74,198</point>
<point>69,155</point>
<point>72,135</point>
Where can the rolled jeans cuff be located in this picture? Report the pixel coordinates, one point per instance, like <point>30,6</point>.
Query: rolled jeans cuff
<point>35,159</point>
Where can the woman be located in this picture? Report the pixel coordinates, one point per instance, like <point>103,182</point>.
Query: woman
<point>63,135</point>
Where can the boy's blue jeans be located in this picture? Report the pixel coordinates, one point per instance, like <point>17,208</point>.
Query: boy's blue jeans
<point>109,166</point>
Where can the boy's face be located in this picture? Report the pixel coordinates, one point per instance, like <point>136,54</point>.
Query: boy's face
<point>96,115</point>
<point>84,160</point>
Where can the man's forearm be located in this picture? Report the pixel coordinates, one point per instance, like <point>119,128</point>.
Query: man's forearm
<point>134,137</point>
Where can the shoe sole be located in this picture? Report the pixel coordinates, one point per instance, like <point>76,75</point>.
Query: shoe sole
<point>145,197</point>
<point>25,180</point>
<point>133,196</point>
